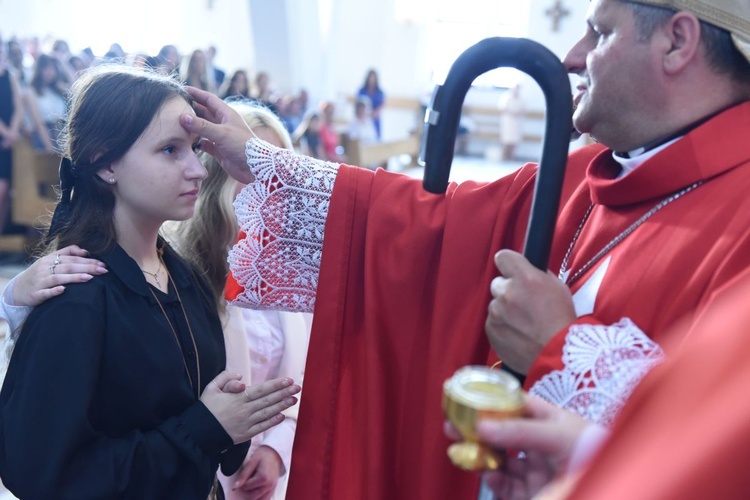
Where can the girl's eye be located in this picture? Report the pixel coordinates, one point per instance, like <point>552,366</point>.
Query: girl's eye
<point>197,147</point>
<point>169,150</point>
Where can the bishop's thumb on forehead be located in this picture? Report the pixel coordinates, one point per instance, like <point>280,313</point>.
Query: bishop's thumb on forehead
<point>199,126</point>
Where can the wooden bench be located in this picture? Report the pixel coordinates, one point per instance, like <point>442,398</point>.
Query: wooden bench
<point>32,194</point>
<point>378,153</point>
<point>483,136</point>
<point>34,175</point>
<point>487,124</point>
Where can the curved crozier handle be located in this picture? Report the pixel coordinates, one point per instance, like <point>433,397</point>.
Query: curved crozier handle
<point>442,119</point>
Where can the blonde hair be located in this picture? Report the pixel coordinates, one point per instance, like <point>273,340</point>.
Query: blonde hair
<point>204,240</point>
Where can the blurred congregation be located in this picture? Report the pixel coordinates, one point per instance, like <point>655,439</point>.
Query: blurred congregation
<point>267,154</point>
<point>361,102</point>
<point>37,74</point>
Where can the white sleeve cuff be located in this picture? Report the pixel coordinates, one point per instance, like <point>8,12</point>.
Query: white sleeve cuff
<point>13,314</point>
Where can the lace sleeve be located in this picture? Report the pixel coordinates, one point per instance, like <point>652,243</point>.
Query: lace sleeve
<point>283,214</point>
<point>602,366</point>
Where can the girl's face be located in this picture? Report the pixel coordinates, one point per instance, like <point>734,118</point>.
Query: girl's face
<point>160,176</point>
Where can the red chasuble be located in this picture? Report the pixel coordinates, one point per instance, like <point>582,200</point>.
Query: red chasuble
<point>674,262</point>
<point>401,304</point>
<point>685,432</point>
<point>404,288</point>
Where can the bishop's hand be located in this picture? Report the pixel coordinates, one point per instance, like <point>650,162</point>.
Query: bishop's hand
<point>528,308</point>
<point>223,130</point>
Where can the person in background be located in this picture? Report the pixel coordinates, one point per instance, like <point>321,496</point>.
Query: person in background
<point>17,64</point>
<point>11,114</point>
<point>307,135</point>
<point>117,51</point>
<point>88,56</point>
<point>371,89</point>
<point>511,120</point>
<point>215,74</point>
<point>290,112</point>
<point>46,103</point>
<point>331,149</point>
<point>237,86</point>
<point>169,60</point>
<point>196,72</point>
<point>264,92</point>
<point>362,126</point>
<point>61,54</point>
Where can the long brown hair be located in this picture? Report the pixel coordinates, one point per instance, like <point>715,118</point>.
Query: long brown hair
<point>110,107</point>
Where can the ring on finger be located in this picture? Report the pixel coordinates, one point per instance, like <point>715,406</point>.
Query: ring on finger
<point>246,394</point>
<point>52,268</point>
<point>57,260</point>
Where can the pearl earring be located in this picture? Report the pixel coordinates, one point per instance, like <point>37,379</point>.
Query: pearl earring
<point>111,180</point>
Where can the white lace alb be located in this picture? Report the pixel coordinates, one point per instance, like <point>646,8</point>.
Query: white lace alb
<point>283,213</point>
<point>602,366</point>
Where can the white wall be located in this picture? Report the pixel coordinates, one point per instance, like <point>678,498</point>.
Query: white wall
<point>330,45</point>
<point>138,25</point>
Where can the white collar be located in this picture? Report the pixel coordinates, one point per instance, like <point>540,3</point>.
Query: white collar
<point>637,157</point>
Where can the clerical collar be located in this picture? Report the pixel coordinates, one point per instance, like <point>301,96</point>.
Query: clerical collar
<point>629,160</point>
<point>635,159</point>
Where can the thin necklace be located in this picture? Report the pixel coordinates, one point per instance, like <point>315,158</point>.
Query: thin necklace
<point>564,274</point>
<point>154,275</point>
<point>177,339</point>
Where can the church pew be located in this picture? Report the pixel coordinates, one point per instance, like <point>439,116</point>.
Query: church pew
<point>369,155</point>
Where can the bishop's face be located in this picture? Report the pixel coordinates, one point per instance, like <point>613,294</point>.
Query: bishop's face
<point>618,88</point>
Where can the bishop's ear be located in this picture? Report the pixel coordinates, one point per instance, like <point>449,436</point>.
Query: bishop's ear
<point>683,36</point>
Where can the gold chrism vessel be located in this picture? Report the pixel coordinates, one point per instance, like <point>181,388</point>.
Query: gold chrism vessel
<point>475,392</point>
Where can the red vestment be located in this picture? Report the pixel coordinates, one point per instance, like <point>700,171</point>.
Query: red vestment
<point>685,432</point>
<point>404,288</point>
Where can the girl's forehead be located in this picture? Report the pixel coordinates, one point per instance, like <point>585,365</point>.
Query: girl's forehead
<point>166,121</point>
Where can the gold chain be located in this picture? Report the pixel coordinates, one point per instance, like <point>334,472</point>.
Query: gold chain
<point>156,274</point>
<point>177,339</point>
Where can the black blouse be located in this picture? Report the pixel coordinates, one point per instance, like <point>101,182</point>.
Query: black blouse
<point>97,403</point>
